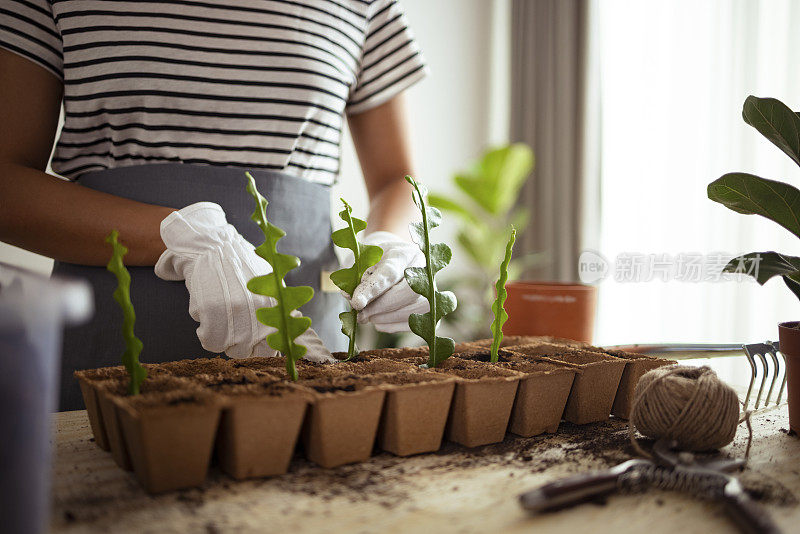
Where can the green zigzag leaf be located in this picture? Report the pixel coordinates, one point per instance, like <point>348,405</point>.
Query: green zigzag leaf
<point>122,294</point>
<point>347,279</point>
<point>288,298</point>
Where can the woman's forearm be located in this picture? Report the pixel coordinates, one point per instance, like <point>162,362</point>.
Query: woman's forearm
<point>69,223</point>
<point>391,209</point>
<point>380,136</point>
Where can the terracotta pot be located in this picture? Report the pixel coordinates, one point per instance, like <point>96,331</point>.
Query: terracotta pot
<point>541,397</point>
<point>415,412</point>
<point>482,401</point>
<point>342,421</point>
<point>595,386</point>
<point>789,337</point>
<point>551,309</point>
<point>170,436</point>
<point>260,423</point>
<point>638,365</point>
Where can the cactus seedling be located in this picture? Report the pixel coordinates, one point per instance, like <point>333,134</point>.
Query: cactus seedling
<point>422,279</point>
<point>122,294</point>
<point>500,315</point>
<point>288,298</point>
<point>365,256</point>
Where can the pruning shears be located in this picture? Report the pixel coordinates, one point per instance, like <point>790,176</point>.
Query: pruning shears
<point>670,469</point>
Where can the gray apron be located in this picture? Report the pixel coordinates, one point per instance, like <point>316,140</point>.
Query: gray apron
<point>300,208</point>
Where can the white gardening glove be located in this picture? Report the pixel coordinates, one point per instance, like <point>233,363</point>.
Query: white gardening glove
<point>217,262</point>
<point>383,297</point>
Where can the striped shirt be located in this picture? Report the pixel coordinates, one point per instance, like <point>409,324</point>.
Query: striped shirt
<point>262,84</point>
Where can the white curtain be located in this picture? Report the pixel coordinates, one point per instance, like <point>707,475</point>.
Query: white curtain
<point>670,81</point>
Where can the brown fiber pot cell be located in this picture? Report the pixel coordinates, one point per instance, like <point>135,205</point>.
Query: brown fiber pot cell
<point>260,424</point>
<point>541,397</point>
<point>551,309</point>
<point>789,337</point>
<point>170,437</point>
<point>88,380</point>
<point>638,365</point>
<point>341,425</point>
<point>110,388</point>
<point>113,428</point>
<point>480,411</point>
<point>482,401</point>
<point>595,386</point>
<point>415,414</point>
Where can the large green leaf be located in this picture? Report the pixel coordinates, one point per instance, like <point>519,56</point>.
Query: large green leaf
<point>752,195</point>
<point>347,279</point>
<point>494,182</point>
<point>500,315</point>
<point>765,265</point>
<point>421,280</point>
<point>122,294</point>
<point>288,326</point>
<point>443,203</point>
<point>775,121</point>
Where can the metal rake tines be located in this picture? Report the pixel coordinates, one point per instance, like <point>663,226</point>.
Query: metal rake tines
<point>757,352</point>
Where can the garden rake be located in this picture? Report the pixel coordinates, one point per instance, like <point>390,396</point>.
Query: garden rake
<point>765,360</point>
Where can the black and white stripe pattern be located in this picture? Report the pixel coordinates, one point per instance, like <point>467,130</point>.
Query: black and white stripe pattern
<point>257,84</point>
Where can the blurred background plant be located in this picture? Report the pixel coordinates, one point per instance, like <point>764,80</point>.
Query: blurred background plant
<point>484,209</point>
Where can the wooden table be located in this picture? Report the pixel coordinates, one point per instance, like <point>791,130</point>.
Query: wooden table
<point>454,490</point>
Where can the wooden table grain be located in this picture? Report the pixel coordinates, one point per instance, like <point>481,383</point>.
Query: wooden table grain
<point>454,490</point>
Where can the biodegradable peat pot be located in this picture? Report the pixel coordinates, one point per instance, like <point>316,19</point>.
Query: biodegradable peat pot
<point>415,412</point>
<point>551,309</point>
<point>342,422</point>
<point>170,436</point>
<point>541,396</point>
<point>198,366</point>
<point>108,390</point>
<point>260,424</point>
<point>88,380</point>
<point>482,401</point>
<point>638,365</point>
<point>595,386</point>
<point>789,338</point>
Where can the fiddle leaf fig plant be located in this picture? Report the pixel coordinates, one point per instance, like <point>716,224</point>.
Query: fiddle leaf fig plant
<point>752,195</point>
<point>422,279</point>
<point>122,294</point>
<point>500,315</point>
<point>364,257</point>
<point>288,298</point>
<point>484,208</point>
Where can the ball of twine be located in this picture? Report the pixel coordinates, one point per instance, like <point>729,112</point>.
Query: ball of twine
<point>689,405</point>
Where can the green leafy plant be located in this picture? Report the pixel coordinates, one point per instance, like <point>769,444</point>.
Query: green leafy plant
<point>422,280</point>
<point>365,256</point>
<point>484,207</point>
<point>777,201</point>
<point>288,298</point>
<point>500,315</point>
<point>122,294</point>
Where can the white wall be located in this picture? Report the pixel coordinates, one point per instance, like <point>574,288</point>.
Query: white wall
<point>460,107</point>
<point>453,113</point>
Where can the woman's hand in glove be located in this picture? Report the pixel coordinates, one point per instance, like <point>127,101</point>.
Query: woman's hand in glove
<point>383,297</point>
<point>217,262</point>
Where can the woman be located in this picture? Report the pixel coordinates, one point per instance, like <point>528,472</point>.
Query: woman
<point>166,105</point>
